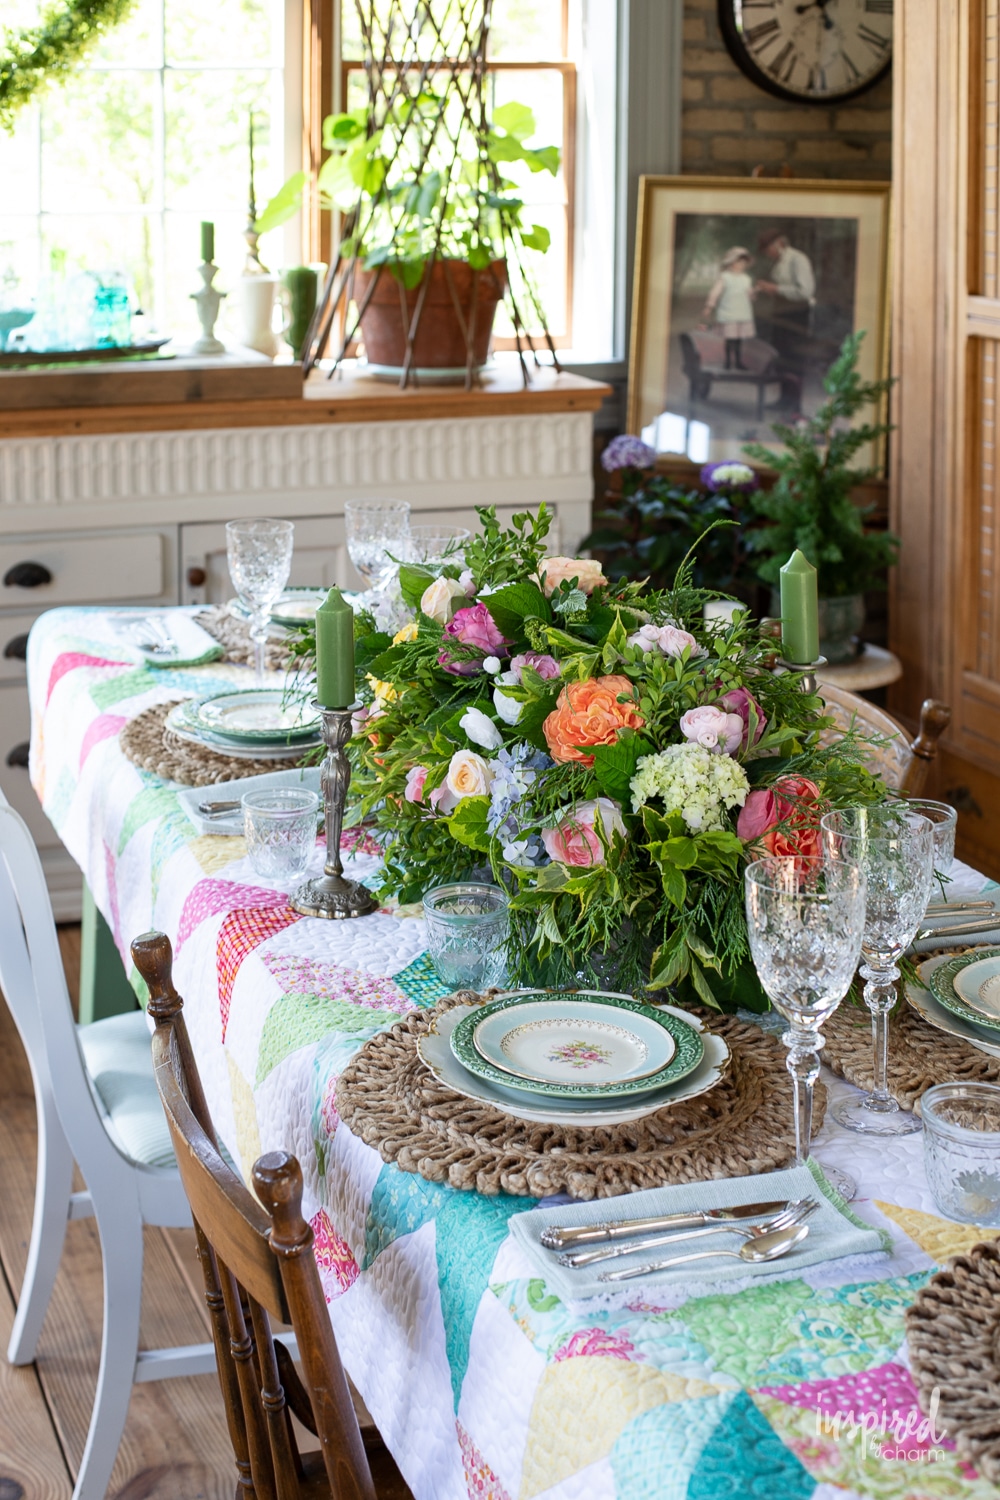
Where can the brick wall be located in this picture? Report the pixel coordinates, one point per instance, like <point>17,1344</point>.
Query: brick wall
<point>729,125</point>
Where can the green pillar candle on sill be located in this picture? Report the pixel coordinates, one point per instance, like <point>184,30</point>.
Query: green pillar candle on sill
<point>799,610</point>
<point>207,240</point>
<point>335,652</point>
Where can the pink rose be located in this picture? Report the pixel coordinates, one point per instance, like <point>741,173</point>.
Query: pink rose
<point>712,728</point>
<point>739,701</point>
<point>784,818</point>
<point>415,778</point>
<point>575,840</point>
<point>476,628</point>
<point>669,639</point>
<point>546,666</point>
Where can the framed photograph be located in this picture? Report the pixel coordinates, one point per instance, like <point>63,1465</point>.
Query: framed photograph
<point>744,292</point>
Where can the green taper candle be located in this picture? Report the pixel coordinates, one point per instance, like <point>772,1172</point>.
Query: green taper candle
<point>207,240</point>
<point>335,652</point>
<point>799,610</point>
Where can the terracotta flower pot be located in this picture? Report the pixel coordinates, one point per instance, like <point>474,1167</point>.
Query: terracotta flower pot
<point>440,341</point>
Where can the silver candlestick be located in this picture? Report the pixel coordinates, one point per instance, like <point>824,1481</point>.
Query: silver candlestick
<point>810,682</point>
<point>331,894</point>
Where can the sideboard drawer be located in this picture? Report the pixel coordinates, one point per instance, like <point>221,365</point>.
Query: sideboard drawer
<point>15,730</point>
<point>37,572</point>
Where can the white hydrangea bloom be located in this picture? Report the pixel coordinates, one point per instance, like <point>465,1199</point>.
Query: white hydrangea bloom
<point>692,781</point>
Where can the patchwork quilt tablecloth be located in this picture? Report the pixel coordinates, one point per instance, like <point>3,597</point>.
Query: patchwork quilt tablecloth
<point>485,1385</point>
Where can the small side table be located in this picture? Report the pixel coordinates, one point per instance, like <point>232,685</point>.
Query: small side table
<point>875,667</point>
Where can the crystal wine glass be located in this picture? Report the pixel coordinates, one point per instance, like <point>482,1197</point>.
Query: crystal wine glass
<point>377,533</point>
<point>433,545</point>
<point>894,846</point>
<point>805,922</point>
<point>259,553</point>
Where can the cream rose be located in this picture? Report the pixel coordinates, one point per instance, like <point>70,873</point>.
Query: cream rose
<point>468,775</point>
<point>438,599</point>
<point>556,570</point>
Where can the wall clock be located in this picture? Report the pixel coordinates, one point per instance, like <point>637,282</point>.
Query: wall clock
<point>812,51</point>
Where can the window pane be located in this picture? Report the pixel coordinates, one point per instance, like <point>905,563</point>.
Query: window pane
<point>527,29</point>
<point>233,32</point>
<point>102,245</point>
<point>207,140</point>
<point>18,258</point>
<point>548,275</point>
<point>19,163</point>
<point>136,43</point>
<point>97,143</point>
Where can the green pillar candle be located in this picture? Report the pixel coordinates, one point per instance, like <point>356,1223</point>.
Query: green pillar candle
<point>303,285</point>
<point>207,240</point>
<point>335,652</point>
<point>799,610</point>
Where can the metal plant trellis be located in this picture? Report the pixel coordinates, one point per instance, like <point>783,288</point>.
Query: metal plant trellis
<point>426,71</point>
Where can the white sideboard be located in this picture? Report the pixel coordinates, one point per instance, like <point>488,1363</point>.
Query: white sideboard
<point>118,506</point>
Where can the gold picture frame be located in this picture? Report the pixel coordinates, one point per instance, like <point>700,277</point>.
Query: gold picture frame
<point>723,344</point>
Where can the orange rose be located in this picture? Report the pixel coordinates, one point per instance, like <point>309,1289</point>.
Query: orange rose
<point>588,713</point>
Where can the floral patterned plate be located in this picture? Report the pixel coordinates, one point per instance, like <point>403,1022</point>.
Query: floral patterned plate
<point>583,1046</point>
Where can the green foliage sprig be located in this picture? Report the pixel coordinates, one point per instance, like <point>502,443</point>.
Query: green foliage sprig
<point>810,506</point>
<point>39,55</point>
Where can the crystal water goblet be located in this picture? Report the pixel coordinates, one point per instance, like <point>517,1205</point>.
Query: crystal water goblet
<point>377,535</point>
<point>945,822</point>
<point>259,553</point>
<point>805,922</point>
<point>894,846</point>
<point>434,545</point>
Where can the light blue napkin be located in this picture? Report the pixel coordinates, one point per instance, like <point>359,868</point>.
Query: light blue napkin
<point>232,791</point>
<point>834,1231</point>
<point>194,647</point>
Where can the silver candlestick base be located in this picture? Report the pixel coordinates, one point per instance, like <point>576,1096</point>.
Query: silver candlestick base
<point>331,895</point>
<point>810,682</point>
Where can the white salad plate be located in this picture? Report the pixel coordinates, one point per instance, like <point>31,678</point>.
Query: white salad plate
<point>255,713</point>
<point>575,1042</point>
<point>436,1055</point>
<point>978,984</point>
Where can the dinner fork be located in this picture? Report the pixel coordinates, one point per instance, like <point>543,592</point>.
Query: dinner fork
<point>795,1214</point>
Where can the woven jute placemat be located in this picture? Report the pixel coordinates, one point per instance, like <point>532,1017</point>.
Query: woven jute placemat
<point>148,744</point>
<point>234,636</point>
<point>919,1054</point>
<point>953,1330</point>
<point>743,1125</point>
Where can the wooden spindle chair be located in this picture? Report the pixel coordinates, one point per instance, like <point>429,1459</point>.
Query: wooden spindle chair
<point>903,764</point>
<point>258,1265</point>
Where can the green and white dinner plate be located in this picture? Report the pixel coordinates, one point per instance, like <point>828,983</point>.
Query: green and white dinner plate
<point>633,1035</point>
<point>255,715</point>
<point>955,987</point>
<point>178,722</point>
<point>920,997</point>
<point>435,1053</point>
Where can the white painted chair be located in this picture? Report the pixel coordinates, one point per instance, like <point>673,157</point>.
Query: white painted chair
<point>94,1088</point>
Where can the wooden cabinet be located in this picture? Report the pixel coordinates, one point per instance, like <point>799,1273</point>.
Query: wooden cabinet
<point>945,486</point>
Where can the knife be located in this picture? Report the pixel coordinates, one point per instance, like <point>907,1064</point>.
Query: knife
<point>952,908</point>
<point>556,1237</point>
<point>217,809</point>
<point>983,924</point>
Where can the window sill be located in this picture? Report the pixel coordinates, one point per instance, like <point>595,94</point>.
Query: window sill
<point>350,397</point>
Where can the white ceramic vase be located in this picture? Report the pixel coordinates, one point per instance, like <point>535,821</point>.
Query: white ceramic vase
<point>252,304</point>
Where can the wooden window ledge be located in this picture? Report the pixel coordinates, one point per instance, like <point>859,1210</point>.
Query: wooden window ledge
<point>350,397</point>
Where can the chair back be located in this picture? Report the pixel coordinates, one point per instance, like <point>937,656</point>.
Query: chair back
<point>257,1264</point>
<point>34,983</point>
<point>902,763</point>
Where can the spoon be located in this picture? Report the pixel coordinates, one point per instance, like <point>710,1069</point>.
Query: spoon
<point>767,1247</point>
<point>786,1220</point>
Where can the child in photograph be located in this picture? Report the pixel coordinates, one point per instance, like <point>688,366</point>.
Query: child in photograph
<point>731,302</point>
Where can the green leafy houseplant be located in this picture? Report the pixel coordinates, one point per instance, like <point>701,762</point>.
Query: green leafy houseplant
<point>810,505</point>
<point>35,56</point>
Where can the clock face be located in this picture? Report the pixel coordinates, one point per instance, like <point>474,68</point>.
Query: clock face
<point>815,51</point>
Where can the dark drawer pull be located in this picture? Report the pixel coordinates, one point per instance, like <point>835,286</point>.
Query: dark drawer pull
<point>19,755</point>
<point>26,575</point>
<point>16,648</point>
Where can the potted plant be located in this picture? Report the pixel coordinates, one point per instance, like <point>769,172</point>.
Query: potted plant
<point>810,504</point>
<point>433,224</point>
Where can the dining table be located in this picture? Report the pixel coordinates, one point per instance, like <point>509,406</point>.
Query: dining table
<point>485,1384</point>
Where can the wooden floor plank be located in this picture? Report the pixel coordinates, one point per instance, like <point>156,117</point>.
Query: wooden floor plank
<point>30,1455</point>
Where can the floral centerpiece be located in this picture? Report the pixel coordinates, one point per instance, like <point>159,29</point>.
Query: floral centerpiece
<point>613,759</point>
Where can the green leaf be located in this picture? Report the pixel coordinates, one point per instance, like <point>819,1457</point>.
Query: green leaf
<point>339,129</point>
<point>537,238</point>
<point>467,823</point>
<point>544,159</point>
<point>674,885</point>
<point>516,119</point>
<point>670,962</point>
<point>283,205</point>
<point>413,580</point>
<point>614,765</point>
<point>551,877</point>
<point>702,987</point>
<point>512,605</point>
